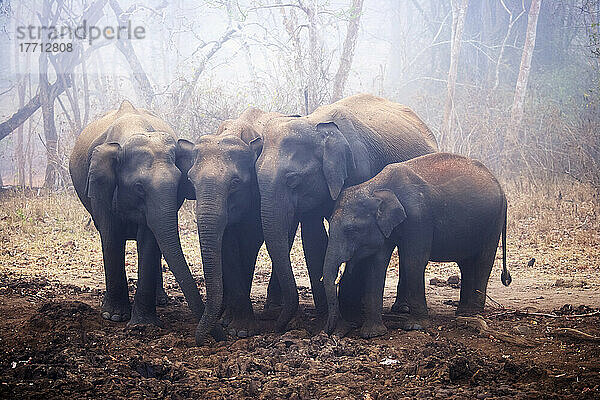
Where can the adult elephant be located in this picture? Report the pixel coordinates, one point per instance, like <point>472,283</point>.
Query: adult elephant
<point>228,215</point>
<point>127,170</point>
<point>304,164</point>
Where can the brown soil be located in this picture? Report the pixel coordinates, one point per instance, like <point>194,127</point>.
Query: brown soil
<point>53,342</point>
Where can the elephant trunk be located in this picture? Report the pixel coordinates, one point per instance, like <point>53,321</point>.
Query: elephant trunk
<point>277,212</point>
<point>333,269</point>
<point>212,219</point>
<point>165,227</point>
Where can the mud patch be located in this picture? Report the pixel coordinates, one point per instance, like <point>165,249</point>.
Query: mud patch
<point>64,316</point>
<point>62,348</point>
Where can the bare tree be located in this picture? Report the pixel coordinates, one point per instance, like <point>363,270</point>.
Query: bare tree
<point>521,87</point>
<point>341,76</point>
<point>141,81</point>
<point>459,12</point>
<point>21,88</point>
<point>511,23</point>
<point>91,14</point>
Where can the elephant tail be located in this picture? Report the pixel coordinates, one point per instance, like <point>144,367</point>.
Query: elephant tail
<point>505,277</point>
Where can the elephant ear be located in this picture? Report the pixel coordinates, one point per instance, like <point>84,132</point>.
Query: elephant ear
<point>390,212</point>
<point>185,156</point>
<point>102,178</point>
<point>256,145</point>
<point>337,157</point>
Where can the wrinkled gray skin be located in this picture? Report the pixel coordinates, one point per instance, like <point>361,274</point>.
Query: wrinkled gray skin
<point>304,164</point>
<point>127,169</point>
<point>439,207</point>
<point>228,215</point>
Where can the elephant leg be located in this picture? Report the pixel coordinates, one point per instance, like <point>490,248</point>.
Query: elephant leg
<point>161,295</point>
<point>373,298</point>
<point>237,293</point>
<point>115,305</point>
<point>350,294</point>
<point>314,243</point>
<point>149,257</point>
<point>273,301</point>
<point>467,267</point>
<point>475,274</point>
<point>414,258</point>
<point>400,305</point>
<point>274,295</point>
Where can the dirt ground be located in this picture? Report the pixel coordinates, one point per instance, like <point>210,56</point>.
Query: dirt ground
<point>530,343</point>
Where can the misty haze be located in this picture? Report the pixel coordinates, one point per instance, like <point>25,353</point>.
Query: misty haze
<point>253,198</point>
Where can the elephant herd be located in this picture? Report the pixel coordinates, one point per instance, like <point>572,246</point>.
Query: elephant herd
<point>369,166</point>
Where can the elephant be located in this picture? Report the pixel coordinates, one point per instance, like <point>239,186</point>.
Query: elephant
<point>228,215</point>
<point>305,162</point>
<point>127,169</point>
<point>438,207</point>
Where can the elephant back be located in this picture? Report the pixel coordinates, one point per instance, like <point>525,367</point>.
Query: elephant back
<point>390,132</point>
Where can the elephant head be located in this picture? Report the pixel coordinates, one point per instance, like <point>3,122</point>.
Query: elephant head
<point>361,222</point>
<point>136,174</point>
<point>224,180</point>
<point>301,170</point>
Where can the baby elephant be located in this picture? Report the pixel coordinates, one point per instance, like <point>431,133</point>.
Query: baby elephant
<point>438,207</point>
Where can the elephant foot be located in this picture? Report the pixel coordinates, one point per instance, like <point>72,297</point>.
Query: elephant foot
<point>161,298</point>
<point>371,329</point>
<point>270,313</point>
<point>413,323</point>
<point>116,311</point>
<point>322,311</point>
<point>273,300</point>
<point>342,328</point>
<point>242,327</point>
<point>400,307</point>
<point>468,310</point>
<point>331,324</point>
<point>226,318</point>
<point>144,318</point>
<point>218,333</point>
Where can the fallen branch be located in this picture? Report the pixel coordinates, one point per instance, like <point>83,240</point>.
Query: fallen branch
<point>576,334</point>
<point>492,300</point>
<point>537,314</point>
<point>479,325</point>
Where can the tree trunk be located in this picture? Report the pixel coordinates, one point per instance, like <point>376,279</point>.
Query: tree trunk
<point>511,22</point>
<point>20,156</point>
<point>291,25</point>
<point>47,100</point>
<point>314,52</point>
<point>516,115</point>
<point>348,51</point>
<point>458,22</point>
<point>21,91</point>
<point>141,81</point>
<point>86,94</point>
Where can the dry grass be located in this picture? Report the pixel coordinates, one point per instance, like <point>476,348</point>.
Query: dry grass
<point>556,223</point>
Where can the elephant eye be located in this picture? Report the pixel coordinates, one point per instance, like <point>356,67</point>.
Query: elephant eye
<point>351,229</point>
<point>138,189</point>
<point>293,179</point>
<point>234,183</point>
